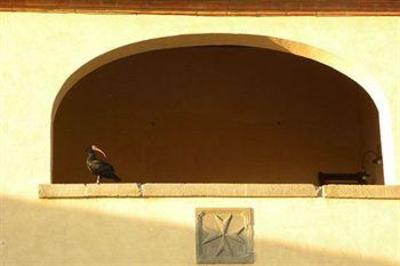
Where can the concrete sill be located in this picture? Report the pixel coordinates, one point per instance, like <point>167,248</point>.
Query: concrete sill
<point>49,191</point>
<point>59,191</point>
<point>230,190</point>
<point>361,192</point>
<point>56,191</point>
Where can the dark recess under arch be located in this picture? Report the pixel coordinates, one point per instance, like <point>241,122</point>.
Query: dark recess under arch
<point>215,114</point>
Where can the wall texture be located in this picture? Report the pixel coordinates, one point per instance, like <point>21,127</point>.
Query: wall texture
<point>38,52</point>
<point>161,232</point>
<point>63,43</point>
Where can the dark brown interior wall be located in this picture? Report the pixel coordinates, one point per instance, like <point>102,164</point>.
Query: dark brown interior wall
<point>214,114</point>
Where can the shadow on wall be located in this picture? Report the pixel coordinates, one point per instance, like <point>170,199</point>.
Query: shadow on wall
<point>94,232</point>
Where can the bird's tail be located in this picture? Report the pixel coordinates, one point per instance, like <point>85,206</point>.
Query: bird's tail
<point>116,178</point>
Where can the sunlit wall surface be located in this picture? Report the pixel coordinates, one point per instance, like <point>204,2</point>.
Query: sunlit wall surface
<point>40,52</point>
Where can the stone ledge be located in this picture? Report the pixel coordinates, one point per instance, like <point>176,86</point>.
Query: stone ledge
<point>59,191</point>
<point>49,191</point>
<point>361,192</point>
<point>88,191</point>
<point>229,190</point>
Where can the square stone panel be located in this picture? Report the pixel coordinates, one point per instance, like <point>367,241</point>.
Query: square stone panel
<point>224,236</point>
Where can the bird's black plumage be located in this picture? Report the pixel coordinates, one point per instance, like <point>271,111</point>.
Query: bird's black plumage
<point>98,167</point>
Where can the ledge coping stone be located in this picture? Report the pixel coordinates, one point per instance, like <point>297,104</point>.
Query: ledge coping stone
<point>361,191</point>
<point>132,190</point>
<point>50,191</point>
<point>229,190</point>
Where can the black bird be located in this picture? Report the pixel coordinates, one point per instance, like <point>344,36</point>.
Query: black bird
<point>99,167</point>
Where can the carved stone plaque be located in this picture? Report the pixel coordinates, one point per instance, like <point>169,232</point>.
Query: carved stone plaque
<point>224,236</point>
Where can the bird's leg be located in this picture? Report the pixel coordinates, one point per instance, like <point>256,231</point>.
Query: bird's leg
<point>139,185</point>
<point>98,179</point>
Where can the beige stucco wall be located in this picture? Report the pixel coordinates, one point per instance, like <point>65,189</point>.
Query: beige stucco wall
<point>161,232</point>
<point>38,52</point>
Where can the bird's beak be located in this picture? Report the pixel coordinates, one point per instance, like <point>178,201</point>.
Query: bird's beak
<point>95,148</point>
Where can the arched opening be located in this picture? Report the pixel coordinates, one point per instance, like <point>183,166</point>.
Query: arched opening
<point>216,114</point>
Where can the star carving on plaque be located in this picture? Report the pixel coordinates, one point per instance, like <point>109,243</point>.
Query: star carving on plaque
<point>224,236</point>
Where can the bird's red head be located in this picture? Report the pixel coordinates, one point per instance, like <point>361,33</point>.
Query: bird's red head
<point>95,148</point>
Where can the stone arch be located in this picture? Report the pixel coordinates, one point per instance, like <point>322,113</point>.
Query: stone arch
<point>349,69</point>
